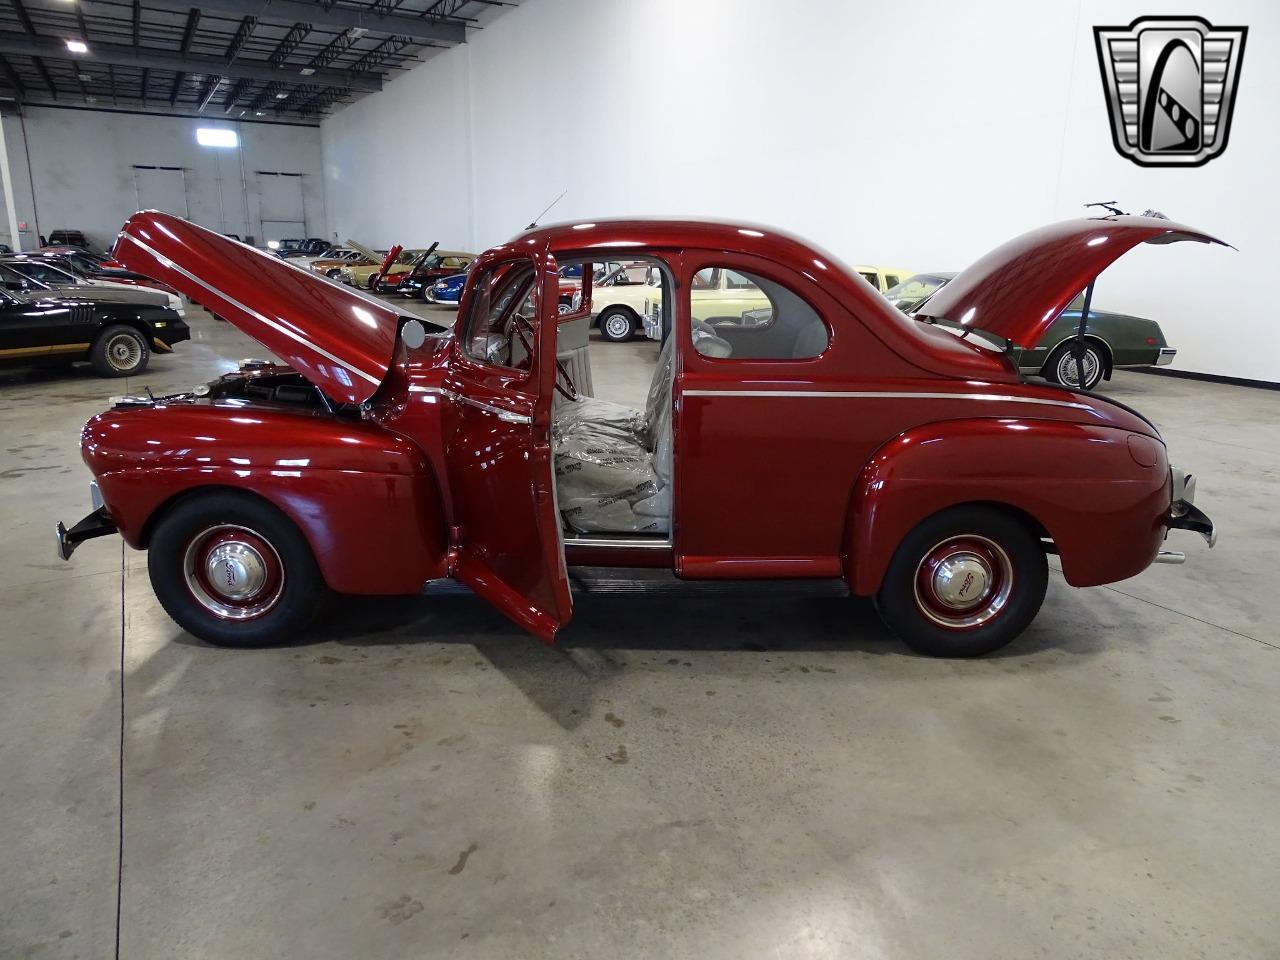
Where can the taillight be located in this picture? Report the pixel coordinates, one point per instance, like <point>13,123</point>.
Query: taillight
<point>1152,342</point>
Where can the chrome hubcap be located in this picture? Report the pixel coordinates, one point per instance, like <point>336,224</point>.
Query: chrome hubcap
<point>964,582</point>
<point>617,325</point>
<point>124,352</point>
<point>1067,368</point>
<point>233,572</point>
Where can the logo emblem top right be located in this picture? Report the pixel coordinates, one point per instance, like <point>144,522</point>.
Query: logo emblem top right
<point>1170,84</point>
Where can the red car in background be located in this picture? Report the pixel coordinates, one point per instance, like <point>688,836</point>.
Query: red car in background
<point>825,435</point>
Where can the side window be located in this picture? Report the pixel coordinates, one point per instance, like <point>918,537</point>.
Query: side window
<point>503,317</point>
<point>891,280</point>
<point>870,277</point>
<point>760,319</point>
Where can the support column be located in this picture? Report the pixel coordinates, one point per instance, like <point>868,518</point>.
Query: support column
<point>15,238</point>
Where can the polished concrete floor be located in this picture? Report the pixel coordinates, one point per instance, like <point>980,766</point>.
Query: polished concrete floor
<point>698,771</point>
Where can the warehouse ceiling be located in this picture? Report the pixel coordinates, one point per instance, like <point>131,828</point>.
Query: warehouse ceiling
<point>282,61</point>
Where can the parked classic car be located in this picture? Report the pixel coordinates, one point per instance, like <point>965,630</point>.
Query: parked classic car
<point>69,238</point>
<point>618,299</point>
<point>917,465</point>
<point>882,278</point>
<point>1112,341</point>
<point>727,296</point>
<point>439,264</point>
<point>365,275</point>
<point>45,275</point>
<point>93,267</point>
<point>114,330</point>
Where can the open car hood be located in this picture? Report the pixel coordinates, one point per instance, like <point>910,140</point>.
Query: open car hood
<point>364,251</point>
<point>339,339</point>
<point>1019,289</point>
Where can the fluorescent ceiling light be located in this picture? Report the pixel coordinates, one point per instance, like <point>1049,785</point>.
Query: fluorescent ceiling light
<point>77,46</point>
<point>281,96</point>
<point>216,137</point>
<point>307,71</point>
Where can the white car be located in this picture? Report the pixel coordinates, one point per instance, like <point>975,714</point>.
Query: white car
<point>618,299</point>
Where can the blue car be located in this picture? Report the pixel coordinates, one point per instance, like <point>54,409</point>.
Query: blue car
<point>448,291</point>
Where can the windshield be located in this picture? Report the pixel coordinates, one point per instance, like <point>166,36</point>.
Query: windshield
<point>912,291</point>
<point>408,256</point>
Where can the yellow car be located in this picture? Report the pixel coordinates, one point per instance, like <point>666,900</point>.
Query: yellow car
<point>882,278</point>
<point>618,298</point>
<point>720,295</point>
<point>364,275</point>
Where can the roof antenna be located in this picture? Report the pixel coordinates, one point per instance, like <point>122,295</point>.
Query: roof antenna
<point>546,208</point>
<point>1109,206</point>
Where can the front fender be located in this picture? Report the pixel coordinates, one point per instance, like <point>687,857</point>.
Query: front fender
<point>364,497</point>
<point>1100,493</point>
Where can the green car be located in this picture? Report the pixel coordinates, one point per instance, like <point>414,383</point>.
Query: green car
<point>1111,340</point>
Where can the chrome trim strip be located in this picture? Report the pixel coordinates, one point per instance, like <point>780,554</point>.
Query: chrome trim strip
<point>1170,556</point>
<point>618,544</point>
<point>376,381</point>
<point>885,395</point>
<point>509,416</point>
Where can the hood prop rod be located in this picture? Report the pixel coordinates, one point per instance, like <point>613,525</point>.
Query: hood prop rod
<point>1078,350</point>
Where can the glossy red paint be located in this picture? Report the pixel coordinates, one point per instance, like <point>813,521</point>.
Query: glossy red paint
<point>365,498</point>
<point>336,337</point>
<point>795,468</point>
<point>1019,289</point>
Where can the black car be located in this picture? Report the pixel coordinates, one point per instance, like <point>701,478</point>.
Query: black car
<point>115,334</point>
<point>70,238</point>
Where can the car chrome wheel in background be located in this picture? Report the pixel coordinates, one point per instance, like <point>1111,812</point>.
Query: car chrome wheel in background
<point>617,325</point>
<point>119,351</point>
<point>1061,366</point>
<point>233,570</point>
<point>964,582</point>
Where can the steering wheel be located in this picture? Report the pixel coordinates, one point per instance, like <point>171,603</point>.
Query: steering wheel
<point>520,326</point>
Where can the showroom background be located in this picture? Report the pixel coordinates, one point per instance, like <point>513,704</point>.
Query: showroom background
<point>981,123</point>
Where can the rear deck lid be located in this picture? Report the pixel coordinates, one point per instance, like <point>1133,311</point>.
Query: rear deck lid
<point>336,337</point>
<point>1019,289</point>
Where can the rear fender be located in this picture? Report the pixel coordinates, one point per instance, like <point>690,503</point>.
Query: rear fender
<point>1100,493</point>
<point>365,498</point>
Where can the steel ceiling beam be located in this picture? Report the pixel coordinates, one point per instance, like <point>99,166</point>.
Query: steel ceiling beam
<point>123,56</point>
<point>340,18</point>
<point>14,80</point>
<point>189,32</point>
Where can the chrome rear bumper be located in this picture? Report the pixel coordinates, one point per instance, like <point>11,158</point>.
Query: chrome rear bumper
<point>1166,356</point>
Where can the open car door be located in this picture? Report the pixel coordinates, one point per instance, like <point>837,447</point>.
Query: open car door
<point>506,523</point>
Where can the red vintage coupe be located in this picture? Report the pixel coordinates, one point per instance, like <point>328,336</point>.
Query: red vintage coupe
<point>823,435</point>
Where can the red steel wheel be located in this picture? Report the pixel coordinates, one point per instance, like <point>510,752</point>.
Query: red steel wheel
<point>964,582</point>
<point>233,572</point>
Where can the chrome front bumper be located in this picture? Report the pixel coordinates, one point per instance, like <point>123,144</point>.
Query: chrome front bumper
<point>1183,513</point>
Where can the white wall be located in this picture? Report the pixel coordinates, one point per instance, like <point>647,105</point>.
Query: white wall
<point>82,170</point>
<point>912,134</point>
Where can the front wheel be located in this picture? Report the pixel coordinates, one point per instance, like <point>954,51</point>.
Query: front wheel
<point>1061,366</point>
<point>234,571</point>
<point>964,582</point>
<point>618,325</point>
<point>119,351</point>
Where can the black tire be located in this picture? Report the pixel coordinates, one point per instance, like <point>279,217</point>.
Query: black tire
<point>179,553</point>
<point>1060,368</point>
<point>373,282</point>
<point>928,565</point>
<point>616,316</point>
<point>119,351</point>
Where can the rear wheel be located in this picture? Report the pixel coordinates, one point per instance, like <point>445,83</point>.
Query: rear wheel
<point>234,571</point>
<point>964,582</point>
<point>373,281</point>
<point>119,351</point>
<point>1061,366</point>
<point>618,324</point>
